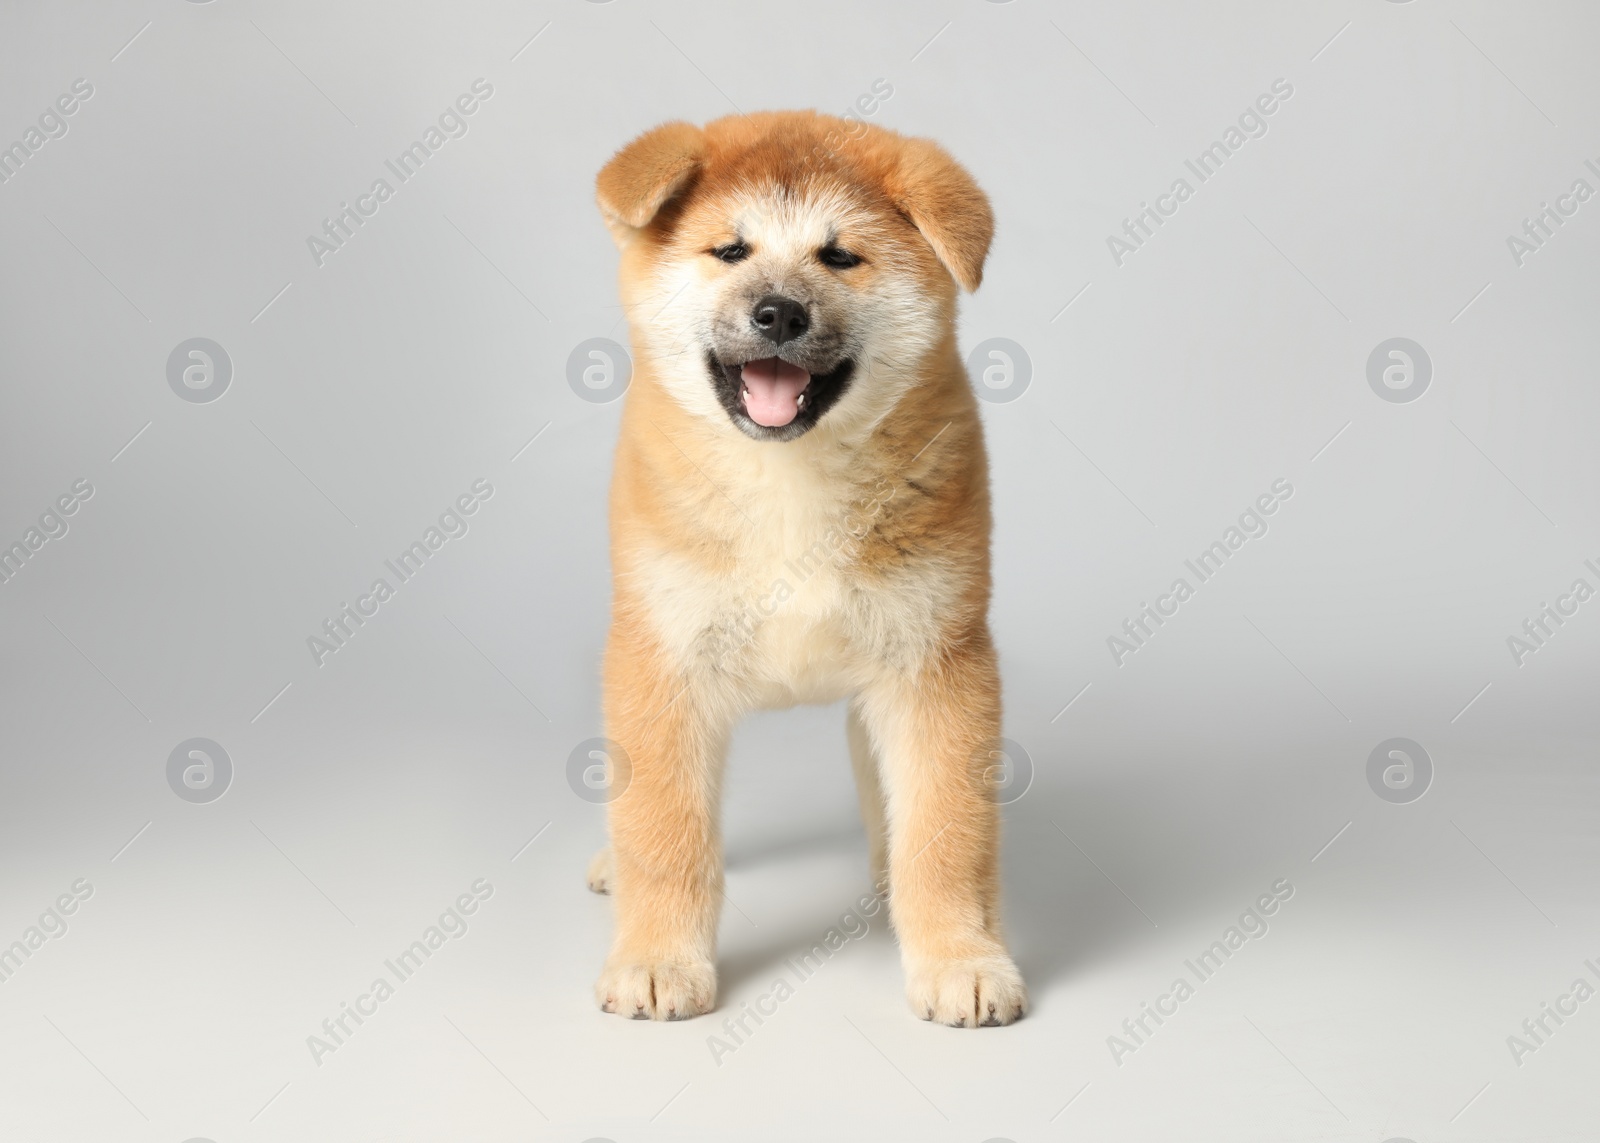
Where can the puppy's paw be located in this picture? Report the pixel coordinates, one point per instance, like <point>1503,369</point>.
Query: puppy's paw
<point>657,990</point>
<point>600,871</point>
<point>968,992</point>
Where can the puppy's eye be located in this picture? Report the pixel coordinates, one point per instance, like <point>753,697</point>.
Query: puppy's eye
<point>732,252</point>
<point>837,257</point>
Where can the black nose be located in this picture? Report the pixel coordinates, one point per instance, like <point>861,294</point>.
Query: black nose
<point>780,319</point>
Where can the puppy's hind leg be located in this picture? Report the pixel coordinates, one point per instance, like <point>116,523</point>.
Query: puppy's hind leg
<point>600,871</point>
<point>869,791</point>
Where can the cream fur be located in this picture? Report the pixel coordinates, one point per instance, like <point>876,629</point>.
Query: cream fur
<point>848,562</point>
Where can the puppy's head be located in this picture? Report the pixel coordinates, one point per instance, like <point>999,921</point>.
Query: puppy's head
<point>782,268</point>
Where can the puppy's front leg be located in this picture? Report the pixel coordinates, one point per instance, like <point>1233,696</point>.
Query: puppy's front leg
<point>934,731</point>
<point>666,849</point>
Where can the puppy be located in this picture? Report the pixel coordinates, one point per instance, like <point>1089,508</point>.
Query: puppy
<point>800,514</point>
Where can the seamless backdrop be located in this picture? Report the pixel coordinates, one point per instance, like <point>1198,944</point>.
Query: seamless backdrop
<point>296,297</point>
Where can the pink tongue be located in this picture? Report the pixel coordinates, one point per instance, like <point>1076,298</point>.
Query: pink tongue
<point>772,390</point>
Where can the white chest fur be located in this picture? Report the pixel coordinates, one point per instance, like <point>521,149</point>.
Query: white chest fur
<point>799,618</point>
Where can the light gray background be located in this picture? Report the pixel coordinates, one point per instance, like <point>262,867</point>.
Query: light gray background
<point>1167,394</point>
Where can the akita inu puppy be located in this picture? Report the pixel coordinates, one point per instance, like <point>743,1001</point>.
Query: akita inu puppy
<point>799,514</point>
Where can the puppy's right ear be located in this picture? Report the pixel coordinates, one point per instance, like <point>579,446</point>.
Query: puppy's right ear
<point>641,178</point>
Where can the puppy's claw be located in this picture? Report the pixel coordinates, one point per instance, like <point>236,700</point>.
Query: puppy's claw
<point>658,990</point>
<point>968,992</point>
<point>599,876</point>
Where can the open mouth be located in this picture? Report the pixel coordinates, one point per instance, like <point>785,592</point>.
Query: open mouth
<point>773,399</point>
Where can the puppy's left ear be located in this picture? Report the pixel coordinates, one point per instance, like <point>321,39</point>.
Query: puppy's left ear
<point>946,205</point>
<point>641,178</point>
